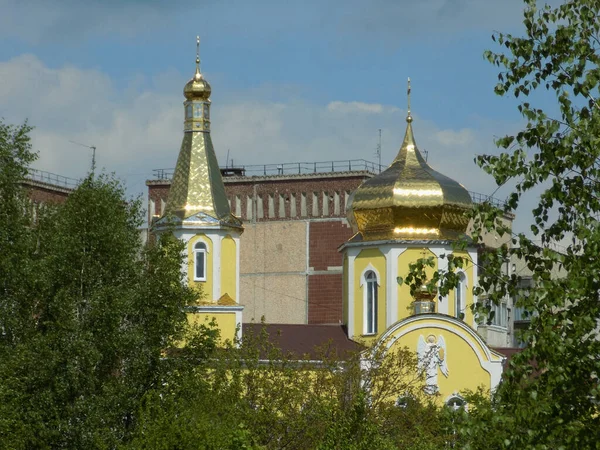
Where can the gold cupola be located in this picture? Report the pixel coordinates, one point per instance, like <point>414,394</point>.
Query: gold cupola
<point>197,194</point>
<point>409,200</point>
<point>197,88</point>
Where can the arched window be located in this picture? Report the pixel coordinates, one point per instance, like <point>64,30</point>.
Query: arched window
<point>459,296</point>
<point>371,302</point>
<point>200,261</point>
<point>456,402</point>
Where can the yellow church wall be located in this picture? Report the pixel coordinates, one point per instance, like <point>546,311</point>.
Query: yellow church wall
<point>410,255</point>
<point>376,259</point>
<point>228,267</point>
<point>465,371</point>
<point>206,286</point>
<point>225,321</point>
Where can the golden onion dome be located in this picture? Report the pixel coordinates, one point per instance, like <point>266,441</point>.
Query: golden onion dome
<point>409,200</point>
<point>197,88</point>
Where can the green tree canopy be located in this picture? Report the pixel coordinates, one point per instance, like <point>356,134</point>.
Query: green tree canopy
<point>550,394</point>
<point>87,311</point>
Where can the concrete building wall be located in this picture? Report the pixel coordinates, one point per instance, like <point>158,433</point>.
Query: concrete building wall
<point>494,240</point>
<point>273,271</point>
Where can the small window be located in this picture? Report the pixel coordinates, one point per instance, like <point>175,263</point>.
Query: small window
<point>459,297</point>
<point>200,261</point>
<point>371,303</point>
<point>500,318</point>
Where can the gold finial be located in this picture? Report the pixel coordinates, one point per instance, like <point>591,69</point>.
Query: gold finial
<point>197,55</point>
<point>409,118</point>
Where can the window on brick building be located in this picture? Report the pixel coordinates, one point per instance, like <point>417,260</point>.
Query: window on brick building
<point>371,294</point>
<point>200,261</point>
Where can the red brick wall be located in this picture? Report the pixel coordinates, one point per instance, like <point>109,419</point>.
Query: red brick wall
<point>324,240</point>
<point>288,187</point>
<point>39,194</point>
<point>325,298</point>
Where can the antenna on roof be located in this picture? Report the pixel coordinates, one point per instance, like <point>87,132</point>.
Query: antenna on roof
<point>93,153</point>
<point>378,150</point>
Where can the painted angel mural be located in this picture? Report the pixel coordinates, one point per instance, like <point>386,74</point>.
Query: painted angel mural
<point>432,355</point>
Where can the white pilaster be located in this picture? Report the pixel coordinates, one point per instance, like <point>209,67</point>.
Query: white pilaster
<point>474,283</point>
<point>392,274</point>
<point>389,288</point>
<point>216,264</point>
<point>442,305</point>
<point>236,239</point>
<point>351,258</point>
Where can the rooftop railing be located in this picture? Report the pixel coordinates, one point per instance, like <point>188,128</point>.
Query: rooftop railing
<point>299,168</point>
<point>307,168</point>
<point>477,197</point>
<point>52,178</point>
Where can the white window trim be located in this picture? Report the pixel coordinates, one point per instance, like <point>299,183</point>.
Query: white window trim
<point>364,285</point>
<point>205,251</point>
<point>499,317</point>
<point>465,405</point>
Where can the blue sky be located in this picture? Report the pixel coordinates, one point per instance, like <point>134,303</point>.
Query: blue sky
<point>292,81</point>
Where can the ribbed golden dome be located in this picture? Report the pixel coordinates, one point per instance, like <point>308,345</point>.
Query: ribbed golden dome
<point>409,200</point>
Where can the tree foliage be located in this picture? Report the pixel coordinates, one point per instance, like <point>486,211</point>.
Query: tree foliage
<point>256,397</point>
<point>15,239</point>
<point>550,394</point>
<point>87,312</point>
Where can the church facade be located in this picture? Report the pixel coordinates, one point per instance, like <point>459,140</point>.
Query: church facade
<point>408,211</point>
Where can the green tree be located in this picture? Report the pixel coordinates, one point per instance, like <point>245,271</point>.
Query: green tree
<point>550,394</point>
<point>257,397</point>
<point>96,312</point>
<point>16,239</point>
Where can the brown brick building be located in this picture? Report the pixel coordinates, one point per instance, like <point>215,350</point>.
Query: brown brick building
<point>45,187</point>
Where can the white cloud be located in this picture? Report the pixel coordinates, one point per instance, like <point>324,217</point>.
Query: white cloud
<point>360,107</point>
<point>455,138</point>
<point>135,132</point>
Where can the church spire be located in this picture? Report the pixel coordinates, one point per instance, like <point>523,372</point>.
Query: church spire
<point>197,193</point>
